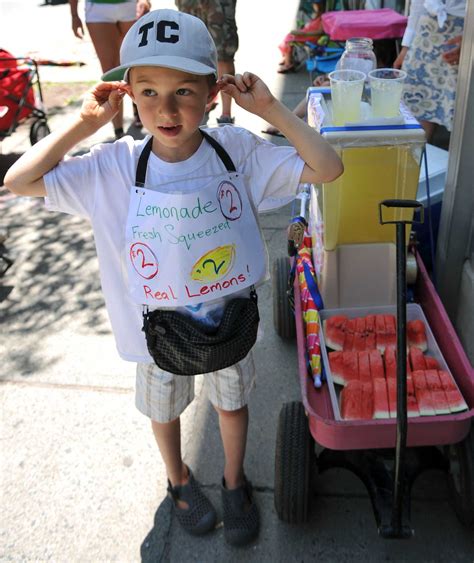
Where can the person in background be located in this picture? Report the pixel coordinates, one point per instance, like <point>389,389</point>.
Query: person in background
<point>219,17</point>
<point>312,30</point>
<point>430,52</point>
<point>107,22</point>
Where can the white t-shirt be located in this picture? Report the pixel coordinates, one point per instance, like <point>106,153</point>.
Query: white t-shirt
<point>97,186</point>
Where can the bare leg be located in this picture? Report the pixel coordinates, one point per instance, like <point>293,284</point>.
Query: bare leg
<point>233,426</point>
<point>225,67</point>
<point>106,38</point>
<point>429,128</point>
<point>168,438</point>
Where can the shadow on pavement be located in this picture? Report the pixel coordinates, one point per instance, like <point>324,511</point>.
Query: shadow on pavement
<point>155,546</point>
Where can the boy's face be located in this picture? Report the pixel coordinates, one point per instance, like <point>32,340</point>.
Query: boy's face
<point>171,104</point>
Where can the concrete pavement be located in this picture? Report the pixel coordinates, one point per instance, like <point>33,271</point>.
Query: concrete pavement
<point>81,476</point>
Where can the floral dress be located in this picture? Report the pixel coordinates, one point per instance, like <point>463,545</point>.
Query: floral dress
<point>430,86</point>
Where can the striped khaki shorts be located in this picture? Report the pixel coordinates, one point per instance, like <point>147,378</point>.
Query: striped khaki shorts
<point>162,396</point>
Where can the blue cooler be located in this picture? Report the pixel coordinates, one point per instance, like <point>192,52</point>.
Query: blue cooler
<point>437,167</point>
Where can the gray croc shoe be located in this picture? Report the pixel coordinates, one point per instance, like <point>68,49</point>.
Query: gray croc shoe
<point>200,517</point>
<point>241,519</point>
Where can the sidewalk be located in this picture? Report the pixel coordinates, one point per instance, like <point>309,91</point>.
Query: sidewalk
<point>81,476</point>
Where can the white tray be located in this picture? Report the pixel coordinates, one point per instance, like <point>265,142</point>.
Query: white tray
<point>414,312</point>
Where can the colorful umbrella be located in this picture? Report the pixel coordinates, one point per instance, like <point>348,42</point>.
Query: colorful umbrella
<point>311,301</point>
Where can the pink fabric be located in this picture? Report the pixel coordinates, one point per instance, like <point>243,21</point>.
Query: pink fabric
<point>374,24</point>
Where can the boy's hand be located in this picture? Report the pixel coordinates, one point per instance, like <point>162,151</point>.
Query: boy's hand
<point>249,92</point>
<point>102,103</point>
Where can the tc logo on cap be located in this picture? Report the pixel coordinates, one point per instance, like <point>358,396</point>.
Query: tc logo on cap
<point>164,32</point>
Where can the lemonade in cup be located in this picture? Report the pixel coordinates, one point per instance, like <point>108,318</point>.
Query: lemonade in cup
<point>386,86</point>
<point>346,94</point>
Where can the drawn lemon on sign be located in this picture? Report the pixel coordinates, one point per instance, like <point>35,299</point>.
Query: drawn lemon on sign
<point>215,264</point>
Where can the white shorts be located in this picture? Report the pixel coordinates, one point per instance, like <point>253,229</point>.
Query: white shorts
<point>111,13</point>
<point>162,396</point>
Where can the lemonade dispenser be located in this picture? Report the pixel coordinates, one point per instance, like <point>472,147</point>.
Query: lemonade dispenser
<point>381,160</point>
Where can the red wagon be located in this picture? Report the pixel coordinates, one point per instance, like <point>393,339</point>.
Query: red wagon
<point>371,448</point>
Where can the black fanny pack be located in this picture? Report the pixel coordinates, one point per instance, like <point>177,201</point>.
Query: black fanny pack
<point>183,346</point>
<point>180,344</point>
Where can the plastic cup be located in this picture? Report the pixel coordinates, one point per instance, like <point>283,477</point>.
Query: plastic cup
<point>346,94</point>
<point>386,87</point>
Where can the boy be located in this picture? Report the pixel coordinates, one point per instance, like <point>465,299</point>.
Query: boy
<point>176,232</point>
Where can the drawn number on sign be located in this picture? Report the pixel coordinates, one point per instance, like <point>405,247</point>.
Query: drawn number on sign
<point>230,201</point>
<point>143,260</point>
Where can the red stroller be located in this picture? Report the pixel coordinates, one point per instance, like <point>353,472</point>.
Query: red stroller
<point>21,97</point>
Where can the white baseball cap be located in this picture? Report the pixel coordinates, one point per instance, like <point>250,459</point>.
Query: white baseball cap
<point>169,39</point>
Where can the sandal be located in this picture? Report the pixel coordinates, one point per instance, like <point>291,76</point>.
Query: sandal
<point>200,516</point>
<point>119,133</point>
<point>272,131</point>
<point>225,120</point>
<point>321,80</point>
<point>241,519</point>
<point>287,69</point>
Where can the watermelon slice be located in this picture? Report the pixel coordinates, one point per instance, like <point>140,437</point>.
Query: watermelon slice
<point>376,364</point>
<point>416,334</point>
<point>360,341</point>
<point>351,401</point>
<point>455,400</point>
<point>370,323</point>
<point>381,409</point>
<point>360,324</point>
<point>350,366</point>
<point>364,366</point>
<point>336,367</point>
<point>430,362</point>
<point>350,332</point>
<point>423,394</point>
<point>367,407</point>
<point>371,341</point>
<point>440,400</point>
<point>392,396</point>
<point>412,405</point>
<point>390,330</point>
<point>334,331</point>
<point>417,359</point>
<point>390,361</point>
<point>380,333</point>
<point>379,323</point>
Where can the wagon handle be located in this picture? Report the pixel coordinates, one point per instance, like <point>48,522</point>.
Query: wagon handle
<point>396,528</point>
<point>403,203</point>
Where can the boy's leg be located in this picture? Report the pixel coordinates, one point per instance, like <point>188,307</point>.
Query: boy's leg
<point>162,397</point>
<point>229,390</point>
<point>233,426</point>
<point>168,438</point>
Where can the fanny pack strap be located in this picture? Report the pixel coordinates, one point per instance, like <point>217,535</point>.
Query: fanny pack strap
<point>145,155</point>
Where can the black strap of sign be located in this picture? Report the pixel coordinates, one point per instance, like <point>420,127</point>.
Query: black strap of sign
<point>145,154</point>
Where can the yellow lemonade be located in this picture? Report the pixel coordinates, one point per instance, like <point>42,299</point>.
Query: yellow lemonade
<point>385,98</point>
<point>371,174</point>
<point>346,98</point>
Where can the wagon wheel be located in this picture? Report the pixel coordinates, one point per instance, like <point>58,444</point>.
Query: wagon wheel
<point>39,130</point>
<point>294,464</point>
<point>283,316</point>
<point>461,478</point>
